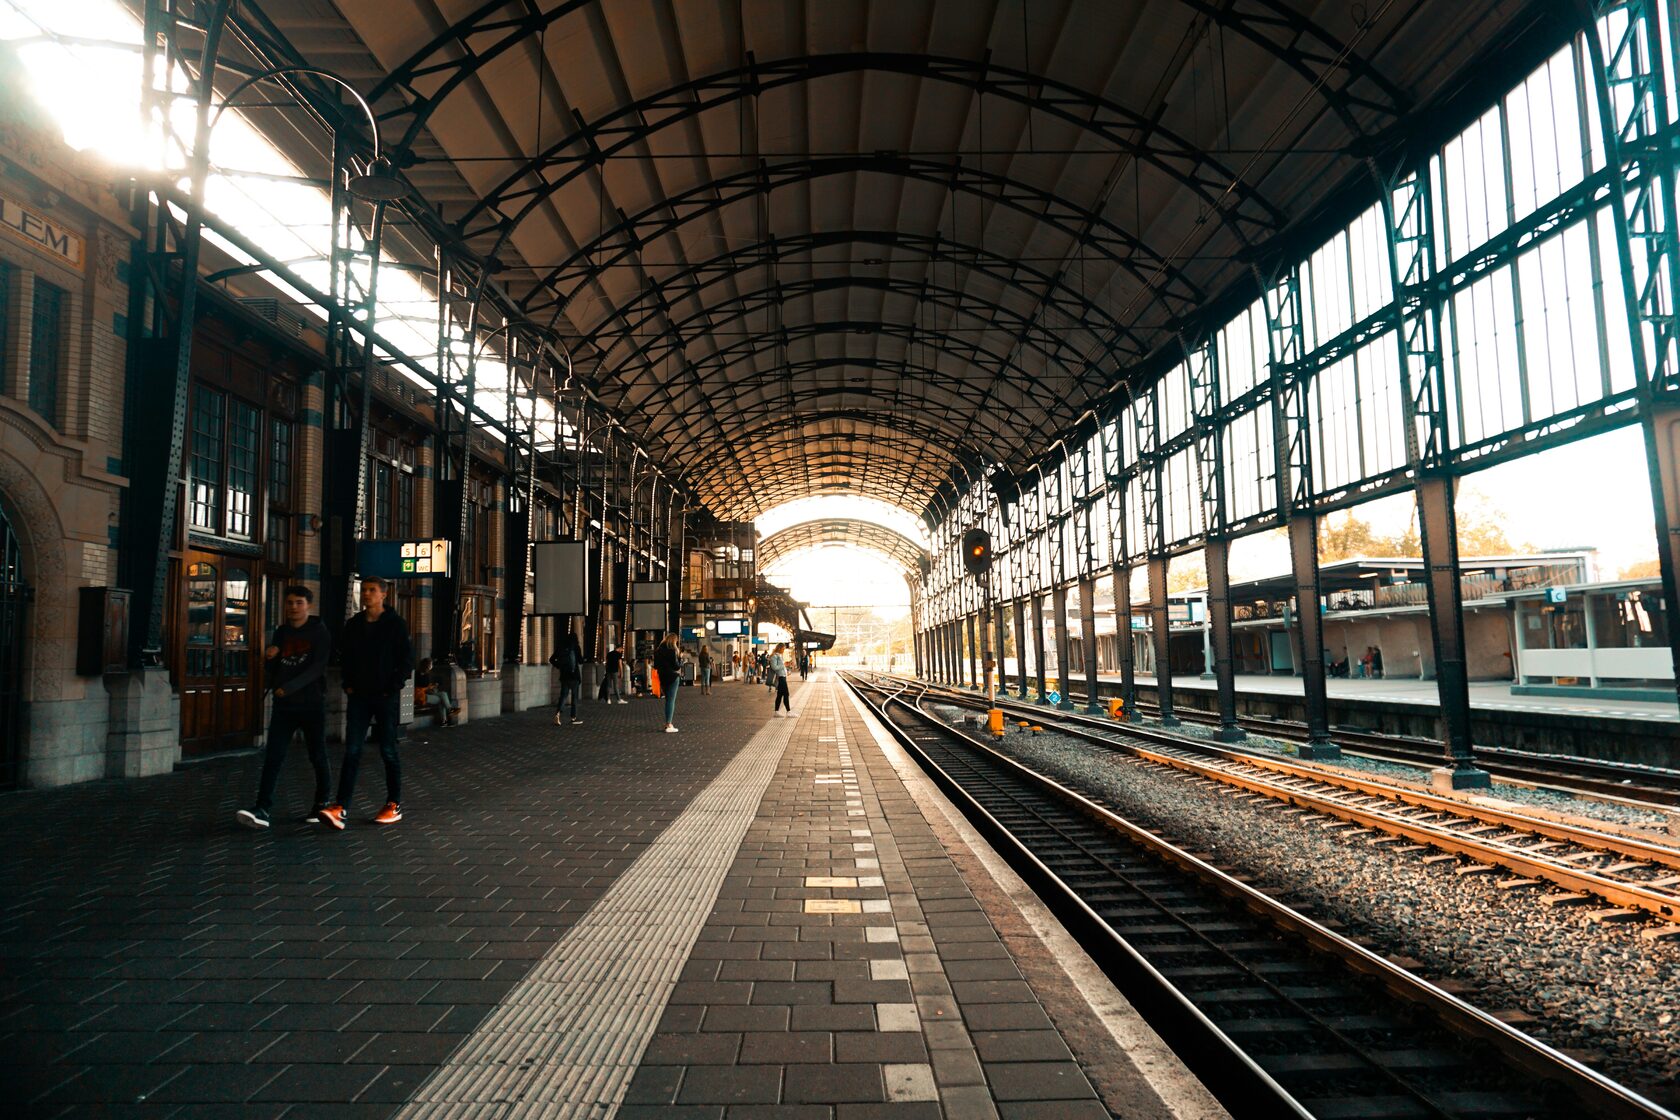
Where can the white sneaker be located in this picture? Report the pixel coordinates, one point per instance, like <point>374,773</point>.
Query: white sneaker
<point>622,700</point>
<point>669,730</point>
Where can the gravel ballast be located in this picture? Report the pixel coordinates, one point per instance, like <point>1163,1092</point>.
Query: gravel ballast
<point>1598,991</point>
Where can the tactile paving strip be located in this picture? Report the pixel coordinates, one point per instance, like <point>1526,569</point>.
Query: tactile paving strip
<point>566,1040</point>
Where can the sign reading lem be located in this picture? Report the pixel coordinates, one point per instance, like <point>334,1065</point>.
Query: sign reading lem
<point>42,233</point>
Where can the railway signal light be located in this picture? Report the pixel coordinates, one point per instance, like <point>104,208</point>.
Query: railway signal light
<point>977,551</point>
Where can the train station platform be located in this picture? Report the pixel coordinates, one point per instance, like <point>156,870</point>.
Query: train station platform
<point>754,918</point>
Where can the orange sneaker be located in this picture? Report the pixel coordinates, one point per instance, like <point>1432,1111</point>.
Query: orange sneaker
<point>391,814</point>
<point>333,815</point>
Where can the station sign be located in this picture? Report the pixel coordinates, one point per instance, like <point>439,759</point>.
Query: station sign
<point>42,233</point>
<point>404,559</point>
<point>728,627</point>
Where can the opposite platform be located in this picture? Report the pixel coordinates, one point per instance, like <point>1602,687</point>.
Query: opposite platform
<point>755,917</point>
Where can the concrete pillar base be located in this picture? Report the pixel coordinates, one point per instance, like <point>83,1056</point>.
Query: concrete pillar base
<point>1319,752</point>
<point>484,697</point>
<point>144,737</point>
<point>530,686</point>
<point>1446,779</point>
<point>458,693</point>
<point>1235,735</point>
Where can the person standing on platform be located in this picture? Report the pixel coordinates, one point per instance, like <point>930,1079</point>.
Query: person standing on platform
<point>568,661</point>
<point>377,658</point>
<point>296,662</point>
<point>778,678</point>
<point>705,669</point>
<point>668,664</point>
<point>612,684</point>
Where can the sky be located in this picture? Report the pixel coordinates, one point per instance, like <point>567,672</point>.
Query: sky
<point>1593,493</point>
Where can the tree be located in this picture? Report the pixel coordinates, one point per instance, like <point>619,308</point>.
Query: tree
<point>1644,569</point>
<point>1351,536</point>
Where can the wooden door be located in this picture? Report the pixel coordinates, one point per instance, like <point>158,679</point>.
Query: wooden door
<point>219,708</point>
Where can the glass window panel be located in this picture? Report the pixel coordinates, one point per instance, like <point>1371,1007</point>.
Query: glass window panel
<point>205,466</point>
<point>1170,397</point>
<point>1325,294</point>
<point>1544,118</point>
<point>46,350</point>
<point>1485,357</point>
<point>1381,419</point>
<point>1629,620</point>
<point>1617,344</point>
<point>236,623</point>
<point>5,322</point>
<point>1474,184</point>
<point>1335,420</point>
<point>243,434</point>
<point>1368,263</point>
<point>280,463</point>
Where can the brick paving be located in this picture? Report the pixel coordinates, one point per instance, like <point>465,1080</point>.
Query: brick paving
<point>846,971</point>
<point>157,961</point>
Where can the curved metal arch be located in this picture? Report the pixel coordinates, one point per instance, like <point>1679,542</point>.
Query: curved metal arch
<point>814,472</point>
<point>933,439</point>
<point>875,461</point>
<point>726,358</point>
<point>820,532</point>
<point>458,52</point>
<point>1050,345</point>
<point>932,430</point>
<point>1052,288</point>
<point>1106,241</point>
<point>1128,132</point>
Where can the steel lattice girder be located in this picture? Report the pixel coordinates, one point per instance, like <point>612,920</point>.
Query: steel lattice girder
<point>854,532</point>
<point>1052,290</point>
<point>618,246</point>
<point>1049,346</point>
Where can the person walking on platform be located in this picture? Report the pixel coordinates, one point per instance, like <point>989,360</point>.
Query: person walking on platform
<point>668,665</point>
<point>377,658</point>
<point>612,683</point>
<point>296,664</point>
<point>568,661</point>
<point>705,669</point>
<point>778,677</point>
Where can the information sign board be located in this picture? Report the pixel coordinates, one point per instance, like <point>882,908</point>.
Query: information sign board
<point>410,559</point>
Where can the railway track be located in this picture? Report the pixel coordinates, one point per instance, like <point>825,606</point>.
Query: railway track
<point>1631,874</point>
<point>1601,777</point>
<point>1278,1014</point>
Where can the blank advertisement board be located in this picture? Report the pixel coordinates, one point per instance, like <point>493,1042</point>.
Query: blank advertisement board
<point>647,591</point>
<point>560,574</point>
<point>647,616</point>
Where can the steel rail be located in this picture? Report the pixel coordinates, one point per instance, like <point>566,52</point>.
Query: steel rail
<point>1602,1096</point>
<point>1599,777</point>
<point>1660,898</point>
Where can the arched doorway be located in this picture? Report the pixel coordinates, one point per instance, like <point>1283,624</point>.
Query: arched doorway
<point>14,606</point>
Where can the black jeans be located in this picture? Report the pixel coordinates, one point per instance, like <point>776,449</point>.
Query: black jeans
<point>282,725</point>
<point>782,700</point>
<point>384,712</point>
<point>572,688</point>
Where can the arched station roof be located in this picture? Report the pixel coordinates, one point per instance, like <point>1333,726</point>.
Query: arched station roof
<point>811,247</point>
<point>851,532</point>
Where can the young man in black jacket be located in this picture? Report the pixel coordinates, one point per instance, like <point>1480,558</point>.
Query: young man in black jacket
<point>295,663</point>
<point>377,658</point>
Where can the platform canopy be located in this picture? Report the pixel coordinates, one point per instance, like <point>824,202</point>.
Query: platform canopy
<point>831,246</point>
<point>844,532</point>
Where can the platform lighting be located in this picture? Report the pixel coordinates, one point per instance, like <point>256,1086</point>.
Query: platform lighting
<point>379,183</point>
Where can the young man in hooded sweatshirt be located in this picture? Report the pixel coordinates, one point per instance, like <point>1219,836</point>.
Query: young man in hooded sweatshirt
<point>296,665</point>
<point>377,658</point>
